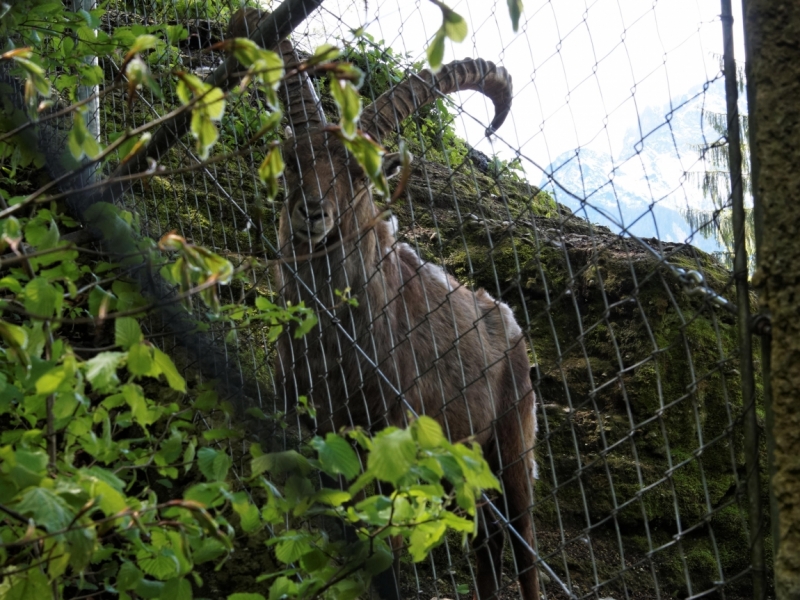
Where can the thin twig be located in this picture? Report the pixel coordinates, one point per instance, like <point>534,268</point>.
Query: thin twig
<point>12,513</point>
<point>60,113</point>
<point>124,313</point>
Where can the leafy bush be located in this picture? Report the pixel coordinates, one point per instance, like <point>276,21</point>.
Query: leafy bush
<point>117,469</point>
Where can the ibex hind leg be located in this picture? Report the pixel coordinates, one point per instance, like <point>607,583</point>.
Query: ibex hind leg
<point>488,547</point>
<point>517,476</point>
<point>520,518</point>
<point>386,585</point>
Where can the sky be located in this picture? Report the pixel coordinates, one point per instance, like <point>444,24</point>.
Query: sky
<point>583,70</point>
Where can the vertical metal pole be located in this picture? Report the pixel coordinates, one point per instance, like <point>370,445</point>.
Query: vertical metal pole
<point>758,227</point>
<point>743,302</point>
<point>84,91</point>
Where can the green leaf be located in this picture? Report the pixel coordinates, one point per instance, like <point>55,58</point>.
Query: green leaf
<point>188,455</point>
<point>139,409</point>
<point>348,590</point>
<point>101,371</point>
<point>269,71</point>
<point>204,132</point>
<point>455,27</point>
<point>246,596</point>
<point>210,549</point>
<point>111,501</point>
<point>336,456</point>
<point>349,102</point>
<point>35,75</point>
<point>162,566</point>
<point>101,474</point>
<point>213,464</point>
<point>167,367</point>
<point>171,447</point>
<point>10,284</point>
<point>31,467</point>
<point>435,50</point>
<point>393,453</point>
<point>370,156</point>
<point>128,576</point>
<point>41,298</point>
<point>283,587</point>
<point>246,51</point>
<point>43,235</point>
<point>207,494</point>
<point>305,325</point>
<point>249,515</point>
<point>81,543</point>
<point>80,141</point>
<point>281,463</point>
<point>292,545</point>
<point>13,335</point>
<point>29,584</point>
<point>149,589</point>
<point>457,523</point>
<point>332,497</point>
<point>207,400</point>
<point>46,508</point>
<point>213,103</point>
<point>10,230</point>
<point>271,170</point>
<point>127,332</point>
<point>424,538</point>
<point>324,53</point>
<point>514,11</point>
<point>58,564</point>
<point>177,589</point>
<point>52,380</point>
<point>140,360</point>
<point>142,43</point>
<point>315,560</point>
<point>185,86</point>
<point>427,432</point>
<point>90,75</point>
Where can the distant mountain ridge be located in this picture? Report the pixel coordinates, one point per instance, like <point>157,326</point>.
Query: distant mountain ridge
<point>646,186</point>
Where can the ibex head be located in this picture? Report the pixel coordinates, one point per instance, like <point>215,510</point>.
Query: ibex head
<point>324,182</point>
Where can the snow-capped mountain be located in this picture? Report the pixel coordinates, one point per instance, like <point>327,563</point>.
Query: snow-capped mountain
<point>645,187</point>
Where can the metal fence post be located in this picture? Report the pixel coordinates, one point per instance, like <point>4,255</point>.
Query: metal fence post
<point>85,91</point>
<point>743,301</point>
<point>758,227</point>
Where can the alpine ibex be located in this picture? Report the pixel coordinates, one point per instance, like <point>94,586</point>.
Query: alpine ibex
<point>456,355</point>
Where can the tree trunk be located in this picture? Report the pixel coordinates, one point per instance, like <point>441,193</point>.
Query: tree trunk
<point>773,37</point>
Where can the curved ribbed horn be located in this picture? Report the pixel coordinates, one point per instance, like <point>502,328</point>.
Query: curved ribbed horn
<point>297,93</point>
<point>391,107</point>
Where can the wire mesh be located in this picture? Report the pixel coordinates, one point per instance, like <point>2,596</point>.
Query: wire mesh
<point>574,215</point>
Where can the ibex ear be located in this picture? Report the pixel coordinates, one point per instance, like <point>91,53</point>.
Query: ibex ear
<point>393,164</point>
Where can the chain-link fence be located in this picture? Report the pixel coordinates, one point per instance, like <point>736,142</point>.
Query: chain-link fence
<point>581,252</point>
